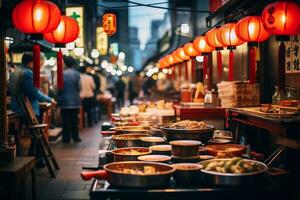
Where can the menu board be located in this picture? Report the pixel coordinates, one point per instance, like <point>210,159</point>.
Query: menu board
<point>292,55</point>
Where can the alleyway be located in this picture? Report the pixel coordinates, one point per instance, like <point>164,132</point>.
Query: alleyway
<point>71,157</point>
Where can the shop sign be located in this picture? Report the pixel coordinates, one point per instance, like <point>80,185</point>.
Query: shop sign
<point>293,55</point>
<point>17,58</point>
<point>102,41</point>
<point>78,14</point>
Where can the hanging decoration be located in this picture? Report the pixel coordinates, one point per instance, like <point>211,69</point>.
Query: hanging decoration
<point>212,40</point>
<point>181,55</point>
<point>176,58</point>
<point>200,45</point>
<point>227,37</point>
<point>251,29</point>
<point>36,18</point>
<point>189,50</point>
<point>282,19</point>
<point>170,59</point>
<point>66,32</point>
<point>109,23</point>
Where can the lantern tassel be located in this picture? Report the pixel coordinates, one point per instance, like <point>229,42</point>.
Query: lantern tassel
<point>193,72</point>
<point>252,65</point>
<point>219,65</point>
<point>60,69</point>
<point>186,71</point>
<point>281,67</point>
<point>230,66</point>
<point>36,65</point>
<point>204,68</point>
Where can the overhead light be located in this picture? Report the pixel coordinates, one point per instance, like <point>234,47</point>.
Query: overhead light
<point>78,51</point>
<point>113,72</point>
<point>104,64</point>
<point>170,71</point>
<point>155,69</point>
<point>161,75</point>
<point>185,28</point>
<point>95,53</point>
<point>123,68</point>
<point>109,68</point>
<point>130,69</point>
<point>119,72</point>
<point>199,58</point>
<point>165,70</point>
<point>121,55</point>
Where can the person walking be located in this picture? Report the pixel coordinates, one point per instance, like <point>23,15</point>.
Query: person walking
<point>120,89</point>
<point>135,85</point>
<point>68,100</point>
<point>21,84</point>
<point>87,95</point>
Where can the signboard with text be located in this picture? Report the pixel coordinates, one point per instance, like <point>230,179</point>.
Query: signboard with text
<point>292,55</point>
<point>102,41</point>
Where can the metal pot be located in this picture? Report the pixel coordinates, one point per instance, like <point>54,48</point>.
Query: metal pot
<point>128,140</point>
<point>185,148</point>
<point>155,158</point>
<point>187,173</point>
<point>115,176</point>
<point>164,149</point>
<point>203,135</point>
<point>230,179</point>
<point>151,141</point>
<point>121,154</point>
<point>132,129</point>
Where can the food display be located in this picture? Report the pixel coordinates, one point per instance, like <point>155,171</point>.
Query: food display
<point>188,125</point>
<point>132,151</point>
<point>155,158</point>
<point>144,170</point>
<point>164,149</point>
<point>128,140</point>
<point>233,166</point>
<point>185,148</point>
<point>225,150</point>
<point>129,136</point>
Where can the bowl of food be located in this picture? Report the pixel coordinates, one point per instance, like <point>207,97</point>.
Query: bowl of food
<point>164,149</point>
<point>189,159</point>
<point>185,148</point>
<point>225,150</point>
<point>155,158</point>
<point>187,173</point>
<point>188,130</point>
<point>130,153</point>
<point>151,141</point>
<point>128,140</point>
<point>232,171</point>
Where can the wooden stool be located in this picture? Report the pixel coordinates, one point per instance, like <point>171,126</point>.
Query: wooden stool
<point>13,177</point>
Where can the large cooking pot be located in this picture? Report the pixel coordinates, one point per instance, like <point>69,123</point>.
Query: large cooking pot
<point>230,179</point>
<point>132,129</point>
<point>114,173</point>
<point>203,135</point>
<point>127,154</point>
<point>128,140</point>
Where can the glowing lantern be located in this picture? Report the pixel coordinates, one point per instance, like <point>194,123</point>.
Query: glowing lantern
<point>212,40</point>
<point>36,18</point>
<point>170,59</point>
<point>189,50</point>
<point>181,55</point>
<point>66,32</point>
<point>282,18</point>
<point>251,30</point>
<point>175,57</point>
<point>200,45</point>
<point>227,36</point>
<point>109,23</point>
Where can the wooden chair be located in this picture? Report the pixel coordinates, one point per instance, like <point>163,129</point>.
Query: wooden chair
<point>37,133</point>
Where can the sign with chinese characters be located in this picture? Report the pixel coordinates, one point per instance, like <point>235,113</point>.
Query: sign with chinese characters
<point>102,41</point>
<point>77,14</point>
<point>292,55</point>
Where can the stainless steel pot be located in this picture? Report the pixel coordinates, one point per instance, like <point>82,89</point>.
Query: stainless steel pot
<point>121,154</point>
<point>187,173</point>
<point>203,135</point>
<point>115,176</point>
<point>128,140</point>
<point>132,129</point>
<point>230,179</point>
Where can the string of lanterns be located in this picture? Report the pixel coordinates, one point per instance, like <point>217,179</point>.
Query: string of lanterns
<point>278,18</point>
<point>42,19</point>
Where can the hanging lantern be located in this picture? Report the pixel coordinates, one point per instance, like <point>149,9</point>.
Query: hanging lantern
<point>228,38</point>
<point>165,63</point>
<point>181,55</point>
<point>109,23</point>
<point>66,32</point>
<point>170,59</point>
<point>200,45</point>
<point>282,18</point>
<point>212,40</point>
<point>175,57</point>
<point>251,30</point>
<point>36,18</point>
<point>189,50</point>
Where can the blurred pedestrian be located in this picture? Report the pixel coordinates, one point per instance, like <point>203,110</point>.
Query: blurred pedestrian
<point>90,71</point>
<point>120,89</point>
<point>69,101</point>
<point>87,95</point>
<point>134,88</point>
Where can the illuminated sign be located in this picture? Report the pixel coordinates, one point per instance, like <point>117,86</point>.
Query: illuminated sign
<point>102,41</point>
<point>77,14</point>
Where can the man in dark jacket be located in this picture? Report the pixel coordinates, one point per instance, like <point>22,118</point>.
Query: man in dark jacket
<point>69,101</point>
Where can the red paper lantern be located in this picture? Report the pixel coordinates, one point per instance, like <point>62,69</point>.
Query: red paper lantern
<point>189,50</point>
<point>109,23</point>
<point>175,57</point>
<point>227,37</point>
<point>200,45</point>
<point>251,29</point>
<point>169,59</point>
<point>180,54</point>
<point>282,18</point>
<point>36,16</point>
<point>212,40</point>
<point>66,32</point>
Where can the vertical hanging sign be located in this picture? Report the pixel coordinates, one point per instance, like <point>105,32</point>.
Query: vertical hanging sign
<point>78,14</point>
<point>102,41</point>
<point>292,61</point>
